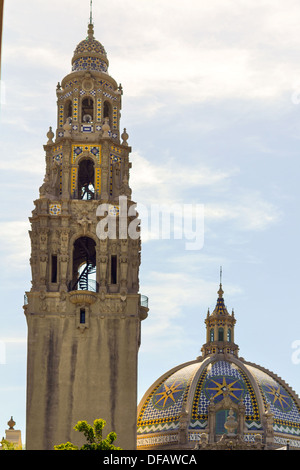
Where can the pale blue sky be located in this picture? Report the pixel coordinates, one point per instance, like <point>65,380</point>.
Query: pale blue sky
<point>211,106</point>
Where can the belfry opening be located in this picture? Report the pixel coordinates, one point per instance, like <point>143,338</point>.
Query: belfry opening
<point>84,265</point>
<point>87,110</point>
<point>86,179</point>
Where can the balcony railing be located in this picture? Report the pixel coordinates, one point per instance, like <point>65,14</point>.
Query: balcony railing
<point>144,301</point>
<point>92,286</point>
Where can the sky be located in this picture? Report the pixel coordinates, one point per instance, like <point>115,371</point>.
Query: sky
<point>211,103</point>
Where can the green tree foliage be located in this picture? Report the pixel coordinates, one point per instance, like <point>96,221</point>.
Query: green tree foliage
<point>6,445</point>
<point>93,435</point>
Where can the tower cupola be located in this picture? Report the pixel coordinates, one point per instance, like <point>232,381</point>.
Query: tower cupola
<point>220,329</point>
<point>90,54</point>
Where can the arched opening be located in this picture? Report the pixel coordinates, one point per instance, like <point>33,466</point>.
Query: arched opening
<point>107,110</point>
<point>68,110</point>
<point>229,334</point>
<point>84,265</point>
<point>221,334</point>
<point>87,110</point>
<point>212,335</point>
<point>86,179</point>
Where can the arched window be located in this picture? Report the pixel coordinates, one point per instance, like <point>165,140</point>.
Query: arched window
<point>86,179</point>
<point>84,265</point>
<point>212,335</point>
<point>221,334</point>
<point>221,417</point>
<point>229,334</point>
<point>87,110</point>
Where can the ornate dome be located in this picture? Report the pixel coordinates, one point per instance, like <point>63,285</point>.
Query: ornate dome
<point>191,405</point>
<point>90,54</point>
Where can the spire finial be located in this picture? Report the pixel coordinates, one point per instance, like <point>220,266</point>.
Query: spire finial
<point>91,11</point>
<point>91,26</point>
<point>220,291</point>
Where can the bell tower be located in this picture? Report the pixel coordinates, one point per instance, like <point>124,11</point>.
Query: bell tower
<point>84,309</point>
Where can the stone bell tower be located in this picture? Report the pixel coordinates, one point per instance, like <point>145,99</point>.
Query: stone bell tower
<point>84,309</point>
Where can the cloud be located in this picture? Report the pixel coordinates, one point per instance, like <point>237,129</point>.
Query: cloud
<point>199,53</point>
<point>15,244</point>
<point>162,185</point>
<point>196,53</point>
<point>27,161</point>
<point>167,180</point>
<point>172,296</point>
<point>249,211</point>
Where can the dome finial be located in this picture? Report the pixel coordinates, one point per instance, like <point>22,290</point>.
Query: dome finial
<point>220,291</point>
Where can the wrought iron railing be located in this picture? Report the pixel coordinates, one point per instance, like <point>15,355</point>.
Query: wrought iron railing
<point>92,286</point>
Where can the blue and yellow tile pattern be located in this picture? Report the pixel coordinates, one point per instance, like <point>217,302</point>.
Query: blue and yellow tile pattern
<point>164,405</point>
<point>218,379</point>
<point>282,405</point>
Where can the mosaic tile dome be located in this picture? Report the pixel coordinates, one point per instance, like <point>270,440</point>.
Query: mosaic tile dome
<point>90,55</point>
<point>182,396</point>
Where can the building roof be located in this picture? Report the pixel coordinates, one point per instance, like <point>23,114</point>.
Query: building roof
<point>90,54</point>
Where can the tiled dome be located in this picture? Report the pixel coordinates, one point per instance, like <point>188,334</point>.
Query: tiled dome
<point>186,392</point>
<point>90,54</point>
<point>192,404</point>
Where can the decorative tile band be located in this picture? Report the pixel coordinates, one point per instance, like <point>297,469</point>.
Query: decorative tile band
<point>61,115</point>
<point>89,63</point>
<point>77,150</point>
<point>99,109</point>
<point>98,180</point>
<point>60,180</point>
<point>75,109</point>
<point>57,149</point>
<point>116,149</point>
<point>73,179</point>
<point>108,95</point>
<point>157,440</point>
<point>115,117</point>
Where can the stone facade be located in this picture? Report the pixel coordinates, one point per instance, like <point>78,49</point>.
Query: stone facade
<point>84,309</point>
